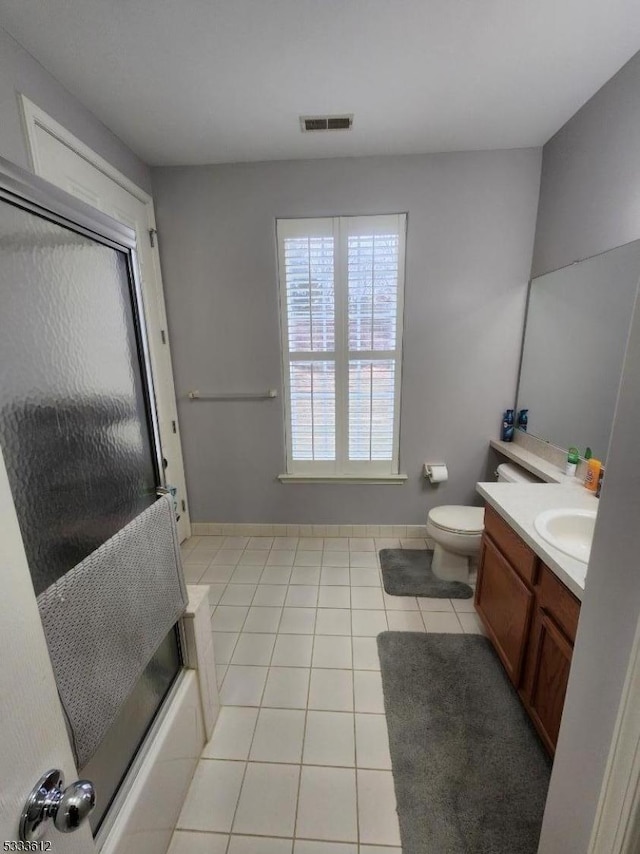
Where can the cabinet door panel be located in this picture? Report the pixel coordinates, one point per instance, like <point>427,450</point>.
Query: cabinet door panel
<point>549,665</point>
<point>504,603</point>
<point>517,552</point>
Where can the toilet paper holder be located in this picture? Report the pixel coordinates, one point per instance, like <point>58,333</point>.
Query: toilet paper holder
<point>436,472</point>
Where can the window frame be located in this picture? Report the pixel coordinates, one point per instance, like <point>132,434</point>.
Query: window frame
<point>341,227</point>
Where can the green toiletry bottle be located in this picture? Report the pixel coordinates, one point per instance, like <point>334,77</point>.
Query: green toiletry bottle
<point>573,459</point>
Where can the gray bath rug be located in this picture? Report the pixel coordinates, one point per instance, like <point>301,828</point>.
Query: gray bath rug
<point>407,572</point>
<point>470,773</point>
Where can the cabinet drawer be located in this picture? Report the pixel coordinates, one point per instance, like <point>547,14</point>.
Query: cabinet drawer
<point>555,599</point>
<point>521,557</point>
<point>504,603</point>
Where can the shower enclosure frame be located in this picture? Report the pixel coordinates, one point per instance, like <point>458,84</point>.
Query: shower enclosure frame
<point>34,195</point>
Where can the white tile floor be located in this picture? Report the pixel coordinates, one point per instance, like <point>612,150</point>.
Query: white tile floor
<point>299,760</point>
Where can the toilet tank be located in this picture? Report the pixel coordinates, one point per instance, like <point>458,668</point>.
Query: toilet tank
<point>509,473</point>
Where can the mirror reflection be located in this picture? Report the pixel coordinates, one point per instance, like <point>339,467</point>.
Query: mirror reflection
<point>575,335</point>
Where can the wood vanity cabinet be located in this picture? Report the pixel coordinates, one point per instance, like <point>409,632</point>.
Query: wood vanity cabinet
<point>531,619</point>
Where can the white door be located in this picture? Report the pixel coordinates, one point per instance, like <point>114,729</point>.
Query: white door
<point>33,738</point>
<point>65,162</point>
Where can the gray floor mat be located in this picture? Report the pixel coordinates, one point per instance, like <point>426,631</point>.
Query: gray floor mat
<point>470,773</point>
<point>407,572</point>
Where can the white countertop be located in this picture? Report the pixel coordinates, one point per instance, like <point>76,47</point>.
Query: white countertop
<point>519,504</point>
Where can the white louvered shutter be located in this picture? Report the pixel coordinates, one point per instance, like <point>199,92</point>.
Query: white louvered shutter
<point>373,313</point>
<point>341,286</point>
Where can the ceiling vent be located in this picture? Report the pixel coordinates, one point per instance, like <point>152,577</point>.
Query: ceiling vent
<point>315,123</point>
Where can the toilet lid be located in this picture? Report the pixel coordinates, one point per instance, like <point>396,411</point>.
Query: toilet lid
<point>458,518</point>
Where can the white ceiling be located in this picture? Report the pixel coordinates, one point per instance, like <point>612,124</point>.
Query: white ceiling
<point>210,81</point>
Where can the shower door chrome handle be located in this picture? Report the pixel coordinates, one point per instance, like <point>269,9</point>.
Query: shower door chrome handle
<point>48,800</point>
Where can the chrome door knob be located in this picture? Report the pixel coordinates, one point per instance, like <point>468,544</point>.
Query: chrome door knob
<point>49,800</point>
<point>77,801</point>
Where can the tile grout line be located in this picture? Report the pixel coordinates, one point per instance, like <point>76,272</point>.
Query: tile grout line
<point>355,749</point>
<point>239,633</point>
<point>228,664</point>
<point>289,838</point>
<point>296,764</point>
<point>304,734</point>
<point>301,709</point>
<point>253,736</point>
<point>244,774</point>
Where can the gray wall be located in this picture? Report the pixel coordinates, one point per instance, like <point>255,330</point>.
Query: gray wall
<point>590,188</point>
<point>590,202</point>
<point>470,234</point>
<point>20,73</point>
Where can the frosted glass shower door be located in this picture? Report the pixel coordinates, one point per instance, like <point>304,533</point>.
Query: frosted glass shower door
<point>77,425</point>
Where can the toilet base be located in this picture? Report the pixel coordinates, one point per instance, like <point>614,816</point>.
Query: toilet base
<point>449,566</point>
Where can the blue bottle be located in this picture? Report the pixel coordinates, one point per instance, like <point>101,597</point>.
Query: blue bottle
<point>506,434</point>
<point>523,419</point>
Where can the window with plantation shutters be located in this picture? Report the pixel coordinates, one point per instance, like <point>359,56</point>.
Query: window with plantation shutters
<point>341,294</point>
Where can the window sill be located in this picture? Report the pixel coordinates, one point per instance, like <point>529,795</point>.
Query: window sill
<point>396,479</point>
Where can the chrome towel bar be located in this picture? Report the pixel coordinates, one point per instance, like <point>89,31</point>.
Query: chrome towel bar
<point>251,395</point>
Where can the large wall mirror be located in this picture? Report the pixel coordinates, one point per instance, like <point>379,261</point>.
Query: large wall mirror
<point>577,324</point>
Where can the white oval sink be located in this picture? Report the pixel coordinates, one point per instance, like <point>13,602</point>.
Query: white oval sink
<point>570,531</point>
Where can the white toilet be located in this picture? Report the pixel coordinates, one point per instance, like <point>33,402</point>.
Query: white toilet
<point>457,530</point>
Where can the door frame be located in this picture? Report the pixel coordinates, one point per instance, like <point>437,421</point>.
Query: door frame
<point>33,117</point>
<point>616,828</point>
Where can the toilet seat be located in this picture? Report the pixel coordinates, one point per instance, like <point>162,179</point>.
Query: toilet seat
<point>458,519</point>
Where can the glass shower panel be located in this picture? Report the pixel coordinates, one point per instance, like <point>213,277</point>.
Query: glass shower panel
<point>75,429</point>
<point>114,756</point>
<point>73,420</point>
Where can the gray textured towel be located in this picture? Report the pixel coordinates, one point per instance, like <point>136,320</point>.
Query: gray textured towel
<point>106,617</point>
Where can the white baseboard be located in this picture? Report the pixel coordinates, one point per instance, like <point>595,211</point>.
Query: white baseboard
<point>242,529</point>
